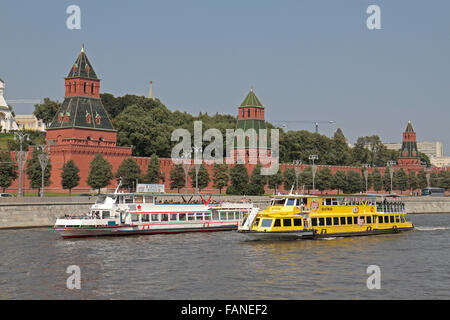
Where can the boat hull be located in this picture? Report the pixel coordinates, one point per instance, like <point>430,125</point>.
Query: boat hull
<point>129,230</point>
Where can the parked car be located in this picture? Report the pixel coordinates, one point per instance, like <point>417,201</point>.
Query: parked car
<point>84,195</point>
<point>5,195</point>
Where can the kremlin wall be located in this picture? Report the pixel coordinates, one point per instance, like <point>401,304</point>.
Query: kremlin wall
<point>82,128</point>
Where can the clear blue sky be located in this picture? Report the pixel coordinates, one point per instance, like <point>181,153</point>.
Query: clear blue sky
<point>307,60</point>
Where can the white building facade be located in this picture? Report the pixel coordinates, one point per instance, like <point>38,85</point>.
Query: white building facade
<point>7,122</point>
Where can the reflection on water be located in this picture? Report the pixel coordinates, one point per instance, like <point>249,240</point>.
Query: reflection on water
<point>223,265</point>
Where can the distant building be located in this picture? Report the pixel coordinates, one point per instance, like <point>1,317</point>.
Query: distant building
<point>440,162</point>
<point>30,122</point>
<point>430,148</point>
<point>7,122</point>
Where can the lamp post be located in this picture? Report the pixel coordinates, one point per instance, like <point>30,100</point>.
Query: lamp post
<point>366,175</point>
<point>43,160</point>
<point>186,165</point>
<point>21,136</point>
<point>391,165</point>
<point>297,164</point>
<point>197,163</point>
<point>314,157</point>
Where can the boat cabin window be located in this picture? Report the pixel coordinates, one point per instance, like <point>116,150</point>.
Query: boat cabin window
<point>105,214</point>
<point>277,223</point>
<point>164,217</point>
<point>321,221</point>
<point>328,221</point>
<point>182,217</point>
<point>403,218</point>
<point>336,221</point>
<point>386,219</point>
<point>297,222</point>
<point>148,199</point>
<point>155,217</point>
<point>199,217</point>
<point>173,217</point>
<point>145,217</point>
<point>369,219</point>
<point>207,216</point>
<point>287,222</point>
<point>290,202</point>
<point>391,219</point>
<point>343,221</point>
<point>135,217</point>
<point>215,215</point>
<point>278,202</point>
<point>266,223</point>
<point>139,199</point>
<point>128,199</point>
<point>191,216</point>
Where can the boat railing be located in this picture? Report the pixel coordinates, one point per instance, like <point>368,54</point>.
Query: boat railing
<point>390,207</point>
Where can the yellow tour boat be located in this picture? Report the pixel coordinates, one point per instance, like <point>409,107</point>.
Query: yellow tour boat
<point>320,216</point>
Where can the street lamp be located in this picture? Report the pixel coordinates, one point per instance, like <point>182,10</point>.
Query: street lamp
<point>391,165</point>
<point>43,160</point>
<point>186,156</point>
<point>21,136</point>
<point>297,164</point>
<point>366,175</point>
<point>314,157</point>
<point>197,163</point>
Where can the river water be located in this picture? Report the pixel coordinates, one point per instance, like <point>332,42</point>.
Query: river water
<point>223,265</point>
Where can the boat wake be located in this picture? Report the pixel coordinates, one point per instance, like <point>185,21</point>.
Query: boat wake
<point>431,228</point>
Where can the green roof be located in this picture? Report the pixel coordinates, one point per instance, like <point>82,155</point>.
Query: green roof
<point>82,112</point>
<point>251,101</point>
<point>82,68</point>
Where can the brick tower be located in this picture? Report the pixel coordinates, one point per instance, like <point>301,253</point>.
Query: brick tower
<point>251,116</point>
<point>81,128</point>
<point>409,155</point>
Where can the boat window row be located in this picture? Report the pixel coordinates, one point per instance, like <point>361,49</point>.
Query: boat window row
<point>194,216</point>
<point>390,207</point>
<point>284,222</point>
<point>347,202</point>
<point>289,202</point>
<point>98,214</point>
<point>356,220</point>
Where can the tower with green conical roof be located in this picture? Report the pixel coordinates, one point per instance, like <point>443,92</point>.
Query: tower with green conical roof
<point>251,120</point>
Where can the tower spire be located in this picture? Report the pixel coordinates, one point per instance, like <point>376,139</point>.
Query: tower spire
<point>150,94</point>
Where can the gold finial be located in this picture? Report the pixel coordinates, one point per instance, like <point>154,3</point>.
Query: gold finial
<point>82,47</point>
<point>251,88</point>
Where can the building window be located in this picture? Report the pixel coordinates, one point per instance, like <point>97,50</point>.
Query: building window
<point>85,87</point>
<point>92,88</point>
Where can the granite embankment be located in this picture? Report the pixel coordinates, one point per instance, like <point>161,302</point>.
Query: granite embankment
<point>32,212</point>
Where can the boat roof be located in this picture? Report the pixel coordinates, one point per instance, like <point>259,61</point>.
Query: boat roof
<point>350,195</point>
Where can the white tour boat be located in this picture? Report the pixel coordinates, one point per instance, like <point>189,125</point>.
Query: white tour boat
<point>139,213</point>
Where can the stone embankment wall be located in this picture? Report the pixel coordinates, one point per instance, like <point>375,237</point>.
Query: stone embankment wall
<point>33,212</point>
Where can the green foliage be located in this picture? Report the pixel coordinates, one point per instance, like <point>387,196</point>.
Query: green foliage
<point>239,180</point>
<point>203,177</point>
<point>47,110</point>
<point>413,181</point>
<point>34,170</point>
<point>220,176</point>
<point>289,178</point>
<point>275,180</point>
<point>257,182</point>
<point>8,170</point>
<point>129,171</point>
<point>324,179</point>
<point>34,138</point>
<point>69,176</point>
<point>401,180</point>
<point>422,179</point>
<point>339,181</point>
<point>177,177</point>
<point>377,180</point>
<point>153,174</point>
<point>100,173</point>
<point>354,182</point>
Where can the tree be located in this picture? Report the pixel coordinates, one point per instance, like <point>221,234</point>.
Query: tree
<point>275,180</point>
<point>413,181</point>
<point>257,182</point>
<point>340,149</point>
<point>8,170</point>
<point>100,173</point>
<point>444,179</point>
<point>153,174</point>
<point>69,176</point>
<point>177,177</point>
<point>239,179</point>
<point>354,182</point>
<point>289,178</point>
<point>203,177</point>
<point>34,170</point>
<point>129,172</point>
<point>422,179</point>
<point>401,180</point>
<point>47,110</point>
<point>377,180</point>
<point>387,180</point>
<point>305,178</point>
<point>220,176</point>
<point>324,179</point>
<point>339,181</point>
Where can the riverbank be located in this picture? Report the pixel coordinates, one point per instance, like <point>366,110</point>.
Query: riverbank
<point>34,212</point>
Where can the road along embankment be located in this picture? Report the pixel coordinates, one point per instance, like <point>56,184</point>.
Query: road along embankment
<point>33,212</point>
